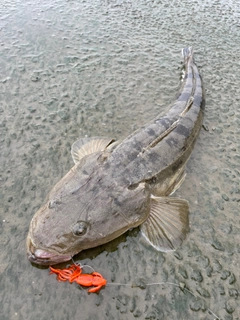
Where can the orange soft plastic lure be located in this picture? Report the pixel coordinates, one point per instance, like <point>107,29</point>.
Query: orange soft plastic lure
<point>74,274</point>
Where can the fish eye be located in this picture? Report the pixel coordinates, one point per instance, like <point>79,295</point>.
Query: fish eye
<point>80,228</point>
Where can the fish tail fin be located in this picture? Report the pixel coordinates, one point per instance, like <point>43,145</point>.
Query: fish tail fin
<point>187,52</point>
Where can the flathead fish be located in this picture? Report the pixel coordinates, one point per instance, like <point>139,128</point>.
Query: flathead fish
<point>117,186</point>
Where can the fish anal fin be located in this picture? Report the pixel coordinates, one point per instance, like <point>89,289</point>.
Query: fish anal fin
<point>86,146</point>
<point>167,225</point>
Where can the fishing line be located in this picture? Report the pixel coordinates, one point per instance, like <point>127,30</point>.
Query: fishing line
<point>181,286</point>
<point>82,266</point>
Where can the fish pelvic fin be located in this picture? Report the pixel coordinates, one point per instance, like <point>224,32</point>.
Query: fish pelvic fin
<point>178,182</point>
<point>169,185</point>
<point>86,146</point>
<point>167,224</point>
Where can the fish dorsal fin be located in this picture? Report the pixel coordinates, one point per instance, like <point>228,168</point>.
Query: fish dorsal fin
<point>85,146</point>
<point>167,224</point>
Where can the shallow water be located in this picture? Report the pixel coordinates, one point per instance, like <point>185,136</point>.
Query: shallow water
<point>76,68</point>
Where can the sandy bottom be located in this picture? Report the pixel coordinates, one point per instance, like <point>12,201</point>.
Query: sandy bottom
<point>77,68</point>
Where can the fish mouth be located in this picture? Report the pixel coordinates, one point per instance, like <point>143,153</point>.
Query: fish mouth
<point>42,257</point>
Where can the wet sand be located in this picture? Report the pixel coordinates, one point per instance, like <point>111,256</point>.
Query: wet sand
<point>85,68</point>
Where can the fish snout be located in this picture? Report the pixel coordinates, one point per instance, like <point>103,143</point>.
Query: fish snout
<point>42,257</point>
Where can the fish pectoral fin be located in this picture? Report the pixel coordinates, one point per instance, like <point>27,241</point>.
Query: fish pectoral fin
<point>86,146</point>
<point>167,224</point>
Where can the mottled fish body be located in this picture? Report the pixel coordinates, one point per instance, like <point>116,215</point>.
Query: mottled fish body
<point>117,186</point>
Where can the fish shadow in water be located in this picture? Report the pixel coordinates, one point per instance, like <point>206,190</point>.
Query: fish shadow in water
<point>108,247</point>
<point>94,252</point>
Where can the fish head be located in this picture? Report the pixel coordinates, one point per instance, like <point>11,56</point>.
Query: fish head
<point>85,209</point>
